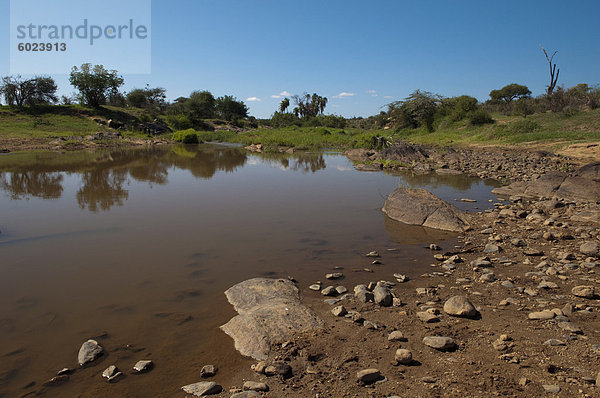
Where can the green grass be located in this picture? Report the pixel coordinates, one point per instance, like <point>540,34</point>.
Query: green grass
<point>302,137</point>
<point>42,124</point>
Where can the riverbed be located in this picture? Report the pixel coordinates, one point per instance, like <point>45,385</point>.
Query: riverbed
<point>134,247</point>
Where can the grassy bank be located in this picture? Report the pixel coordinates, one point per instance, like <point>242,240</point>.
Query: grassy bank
<point>68,121</point>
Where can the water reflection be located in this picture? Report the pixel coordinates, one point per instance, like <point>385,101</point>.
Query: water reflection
<point>20,185</point>
<point>104,175</point>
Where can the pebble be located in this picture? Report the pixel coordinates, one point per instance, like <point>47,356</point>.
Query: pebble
<point>278,368</point>
<point>208,371</point>
<point>315,287</point>
<point>111,373</point>
<point>570,327</point>
<point>551,389</point>
<point>57,380</point>
<point>334,275</point>
<point>246,394</point>
<point>143,365</point>
<point>396,336</point>
<point>368,376</point>
<point>255,386</point>
<point>554,342</point>
<point>491,248</point>
<point>460,306</point>
<point>541,315</point>
<point>339,311</point>
<point>341,290</point>
<point>403,356</point>
<point>329,291</point>
<point>439,343</point>
<point>203,388</point>
<point>89,351</point>
<point>583,291</point>
<point>372,254</point>
<point>382,296</point>
<point>427,317</point>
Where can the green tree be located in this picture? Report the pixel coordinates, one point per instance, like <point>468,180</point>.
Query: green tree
<point>230,109</point>
<point>509,93</point>
<point>416,110</point>
<point>284,105</point>
<point>200,105</point>
<point>308,106</point>
<point>148,98</point>
<point>95,83</point>
<point>35,91</point>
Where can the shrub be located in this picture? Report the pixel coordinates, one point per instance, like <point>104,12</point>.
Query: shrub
<point>188,136</point>
<point>179,121</point>
<point>371,141</point>
<point>480,117</point>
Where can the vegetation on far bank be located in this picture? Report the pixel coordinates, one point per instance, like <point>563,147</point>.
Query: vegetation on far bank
<point>510,116</point>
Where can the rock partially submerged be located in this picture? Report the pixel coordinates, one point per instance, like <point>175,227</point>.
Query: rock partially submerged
<point>269,312</point>
<point>420,207</point>
<point>89,351</point>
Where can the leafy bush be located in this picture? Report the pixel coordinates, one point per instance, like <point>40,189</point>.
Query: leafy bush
<point>282,119</point>
<point>179,121</point>
<point>480,117</point>
<point>371,141</point>
<point>188,136</point>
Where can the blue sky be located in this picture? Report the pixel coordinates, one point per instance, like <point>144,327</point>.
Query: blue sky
<point>374,51</point>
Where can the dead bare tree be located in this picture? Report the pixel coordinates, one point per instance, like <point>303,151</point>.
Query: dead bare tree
<point>553,71</point>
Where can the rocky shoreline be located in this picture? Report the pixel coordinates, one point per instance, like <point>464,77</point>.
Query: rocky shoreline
<point>512,309</point>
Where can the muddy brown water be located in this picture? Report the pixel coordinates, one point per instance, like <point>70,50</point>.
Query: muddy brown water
<point>136,247</point>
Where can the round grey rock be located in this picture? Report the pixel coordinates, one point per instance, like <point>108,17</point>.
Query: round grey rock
<point>403,356</point>
<point>367,376</point>
<point>440,343</point>
<point>460,306</point>
<point>203,388</point>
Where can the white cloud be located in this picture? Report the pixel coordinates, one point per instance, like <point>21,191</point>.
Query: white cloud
<point>344,94</point>
<point>372,93</point>
<point>253,99</point>
<point>281,94</point>
<point>388,97</point>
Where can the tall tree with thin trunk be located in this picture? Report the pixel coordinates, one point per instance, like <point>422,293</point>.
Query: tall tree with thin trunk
<point>553,72</point>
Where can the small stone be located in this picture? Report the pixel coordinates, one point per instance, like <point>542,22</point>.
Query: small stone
<point>487,277</point>
<point>245,394</point>
<point>56,380</point>
<point>64,371</point>
<point>491,248</point>
<point>143,365</point>
<point>583,291</point>
<point>427,317</point>
<point>370,325</point>
<point>396,336</point>
<point>590,248</point>
<point>541,315</point>
<point>259,367</point>
<point>523,381</point>
<point>439,343</point>
<point>341,290</point>
<point>533,252</point>
<point>89,351</point>
<point>460,306</point>
<point>507,284</point>
<point>111,373</point>
<point>315,287</point>
<point>547,285</point>
<point>551,389</point>
<point>401,278</point>
<point>208,371</point>
<point>487,231</point>
<point>382,296</point>
<point>467,200</point>
<point>403,356</point>
<point>278,368</point>
<point>372,254</point>
<point>434,247</point>
<point>517,242</point>
<point>256,386</point>
<point>203,388</point>
<point>530,292</point>
<point>367,376</point>
<point>339,311</point>
<point>570,327</point>
<point>334,275</point>
<point>554,342</point>
<point>329,291</point>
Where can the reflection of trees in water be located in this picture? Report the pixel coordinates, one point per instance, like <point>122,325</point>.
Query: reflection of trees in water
<point>304,162</point>
<point>102,189</point>
<point>104,174</point>
<point>206,161</point>
<point>35,183</point>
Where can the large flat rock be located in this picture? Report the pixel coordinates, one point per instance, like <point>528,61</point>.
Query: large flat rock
<point>420,207</point>
<point>584,185</point>
<point>269,311</point>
